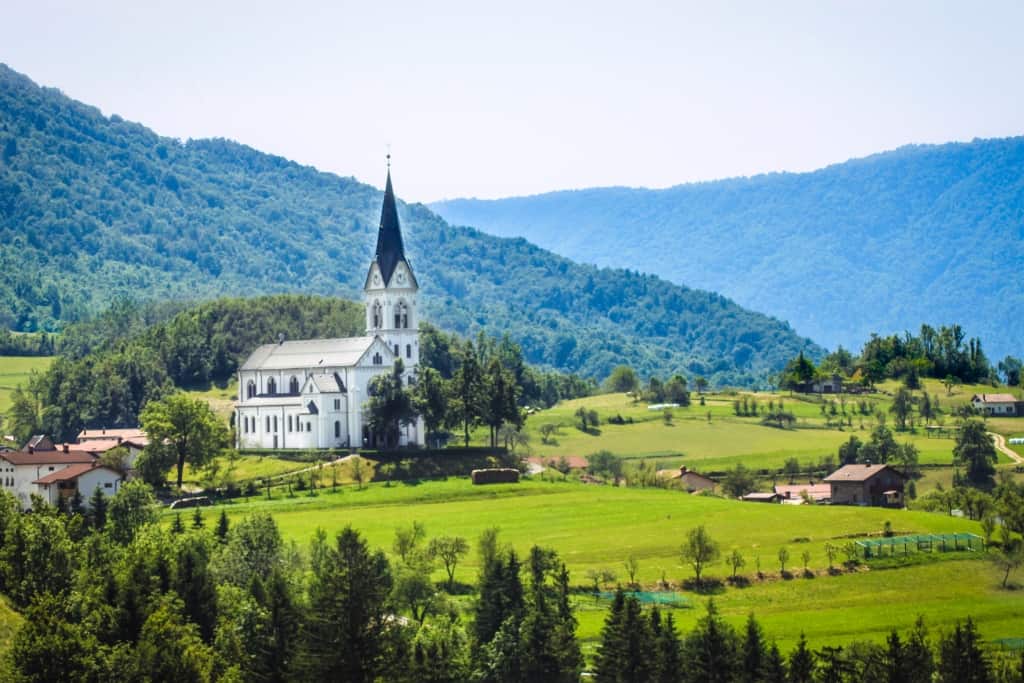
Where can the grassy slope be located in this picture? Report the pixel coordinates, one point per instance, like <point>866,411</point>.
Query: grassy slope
<point>14,370</point>
<point>597,527</point>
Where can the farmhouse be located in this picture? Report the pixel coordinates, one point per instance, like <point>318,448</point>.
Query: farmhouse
<point>1004,405</point>
<point>20,470</point>
<point>689,480</point>
<point>313,393</point>
<point>83,478</point>
<point>876,485</point>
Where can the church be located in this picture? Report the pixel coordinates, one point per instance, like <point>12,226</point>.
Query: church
<point>312,393</point>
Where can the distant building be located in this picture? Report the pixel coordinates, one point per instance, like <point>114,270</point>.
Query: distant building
<point>313,393</point>
<point>689,480</point>
<point>83,478</point>
<point>875,485</point>
<point>87,435</point>
<point>762,497</point>
<point>20,470</point>
<point>795,493</point>
<point>1002,405</point>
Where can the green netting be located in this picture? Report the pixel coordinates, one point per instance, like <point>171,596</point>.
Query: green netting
<point>1010,643</point>
<point>653,598</point>
<point>902,545</point>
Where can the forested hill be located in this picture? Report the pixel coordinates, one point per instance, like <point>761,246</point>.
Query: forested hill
<point>923,233</point>
<point>95,208</point>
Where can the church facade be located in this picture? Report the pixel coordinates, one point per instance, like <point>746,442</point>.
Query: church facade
<point>312,393</point>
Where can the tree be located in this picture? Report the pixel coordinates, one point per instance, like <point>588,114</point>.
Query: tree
<point>975,451</point>
<point>902,407</point>
<point>791,469</point>
<point>735,561</point>
<point>26,411</point>
<point>131,508</point>
<point>711,650</point>
<point>50,647</point>
<point>345,633</point>
<point>605,464</point>
<point>626,650</point>
<point>358,470</point>
<point>466,391</point>
<point>699,550</point>
<point>430,400</point>
<point>500,404</point>
<point>702,385</point>
<point>961,659</point>
<point>180,429</point>
<point>738,481</point>
<point>390,406</point>
<point>547,430</point>
<point>622,379</point>
<point>632,566</point>
<point>1008,558</point>
<point>450,549</point>
<point>1010,368</point>
<point>801,662</point>
<point>753,652</point>
<point>783,559</point>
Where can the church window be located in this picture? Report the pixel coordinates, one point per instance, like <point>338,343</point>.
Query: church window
<point>293,385</point>
<point>396,351</point>
<point>245,425</point>
<point>337,404</point>
<point>401,316</point>
<point>337,429</point>
<point>309,426</point>
<point>271,386</point>
<point>289,423</point>
<point>408,350</point>
<point>275,423</point>
<point>377,315</point>
<point>268,423</point>
<point>250,389</point>
<point>377,360</point>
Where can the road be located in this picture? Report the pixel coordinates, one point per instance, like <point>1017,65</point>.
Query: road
<point>1000,442</point>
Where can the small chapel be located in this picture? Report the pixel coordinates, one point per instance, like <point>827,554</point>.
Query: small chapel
<point>312,393</point>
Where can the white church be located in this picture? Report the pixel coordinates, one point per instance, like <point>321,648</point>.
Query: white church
<point>312,393</point>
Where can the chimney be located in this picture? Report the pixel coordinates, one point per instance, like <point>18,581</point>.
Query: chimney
<point>682,469</point>
<point>65,448</point>
<point>31,449</point>
<point>868,462</point>
<point>119,439</point>
<point>103,431</point>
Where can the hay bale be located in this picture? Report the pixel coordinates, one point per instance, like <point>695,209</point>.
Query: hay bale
<point>495,475</point>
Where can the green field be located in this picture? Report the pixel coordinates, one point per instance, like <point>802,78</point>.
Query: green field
<point>14,370</point>
<point>599,526</point>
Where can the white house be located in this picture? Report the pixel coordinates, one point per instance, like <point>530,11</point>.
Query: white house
<point>84,478</point>
<point>995,404</point>
<point>312,393</point>
<point>20,470</point>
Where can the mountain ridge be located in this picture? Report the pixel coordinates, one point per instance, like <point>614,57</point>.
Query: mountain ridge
<point>96,208</point>
<point>892,214</point>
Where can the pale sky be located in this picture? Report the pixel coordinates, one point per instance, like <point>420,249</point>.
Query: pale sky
<point>497,99</point>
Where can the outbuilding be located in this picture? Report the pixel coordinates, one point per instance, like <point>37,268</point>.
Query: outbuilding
<point>875,485</point>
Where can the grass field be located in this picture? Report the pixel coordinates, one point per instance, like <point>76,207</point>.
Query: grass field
<point>599,526</point>
<point>14,370</point>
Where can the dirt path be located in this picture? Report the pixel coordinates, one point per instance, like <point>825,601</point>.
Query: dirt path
<point>1000,442</point>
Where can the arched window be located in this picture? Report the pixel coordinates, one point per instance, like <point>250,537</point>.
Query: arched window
<point>271,386</point>
<point>378,315</point>
<point>377,360</point>
<point>401,315</point>
<point>397,354</point>
<point>293,385</point>
<point>337,429</point>
<point>250,389</point>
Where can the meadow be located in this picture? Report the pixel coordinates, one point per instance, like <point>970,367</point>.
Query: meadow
<point>14,371</point>
<point>598,527</point>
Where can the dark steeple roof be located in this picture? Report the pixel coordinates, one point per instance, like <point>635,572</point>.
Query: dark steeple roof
<point>390,249</point>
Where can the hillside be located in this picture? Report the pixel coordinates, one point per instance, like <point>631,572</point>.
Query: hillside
<point>881,244</point>
<point>95,208</point>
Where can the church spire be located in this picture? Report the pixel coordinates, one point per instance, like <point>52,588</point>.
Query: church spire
<point>390,249</point>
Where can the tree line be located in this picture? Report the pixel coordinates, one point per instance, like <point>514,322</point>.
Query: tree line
<point>109,593</point>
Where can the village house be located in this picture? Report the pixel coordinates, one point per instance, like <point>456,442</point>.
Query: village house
<point>875,485</point>
<point>690,481</point>
<point>20,470</point>
<point>998,405</point>
<point>83,478</point>
<point>797,494</point>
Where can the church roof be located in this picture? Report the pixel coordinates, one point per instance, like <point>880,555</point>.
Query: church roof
<point>309,353</point>
<point>390,249</point>
<point>327,383</point>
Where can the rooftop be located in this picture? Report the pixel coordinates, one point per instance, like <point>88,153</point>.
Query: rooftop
<point>995,398</point>
<point>855,473</point>
<point>47,457</point>
<point>309,353</point>
<point>131,433</point>
<point>71,473</point>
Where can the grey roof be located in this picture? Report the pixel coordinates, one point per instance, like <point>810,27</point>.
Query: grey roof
<point>278,400</point>
<point>327,383</point>
<point>309,353</point>
<point>856,473</point>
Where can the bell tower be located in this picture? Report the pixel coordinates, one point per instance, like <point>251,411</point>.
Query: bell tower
<point>390,292</point>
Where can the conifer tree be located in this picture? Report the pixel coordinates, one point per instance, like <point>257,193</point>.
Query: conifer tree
<point>222,527</point>
<point>711,650</point>
<point>774,666</point>
<point>176,526</point>
<point>753,652</point>
<point>919,661</point>
<point>961,658</point>
<point>668,649</point>
<point>98,509</point>
<point>801,662</point>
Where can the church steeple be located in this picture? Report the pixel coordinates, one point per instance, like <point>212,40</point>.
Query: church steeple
<point>390,250</point>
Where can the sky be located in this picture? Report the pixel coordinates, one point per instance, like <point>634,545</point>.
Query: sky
<point>500,99</point>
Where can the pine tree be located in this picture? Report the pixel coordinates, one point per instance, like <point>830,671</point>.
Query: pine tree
<point>919,661</point>
<point>176,526</point>
<point>801,662</point>
<point>711,650</point>
<point>197,519</point>
<point>98,509</point>
<point>961,659</point>
<point>774,667</point>
<point>668,649</point>
<point>753,652</point>
<point>222,526</point>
